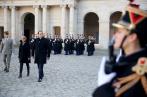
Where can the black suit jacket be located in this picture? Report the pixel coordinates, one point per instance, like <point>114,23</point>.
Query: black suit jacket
<point>42,50</point>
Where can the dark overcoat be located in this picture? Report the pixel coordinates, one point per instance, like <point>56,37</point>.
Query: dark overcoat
<point>24,53</point>
<point>42,50</point>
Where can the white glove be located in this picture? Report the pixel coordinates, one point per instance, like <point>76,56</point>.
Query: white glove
<point>104,78</point>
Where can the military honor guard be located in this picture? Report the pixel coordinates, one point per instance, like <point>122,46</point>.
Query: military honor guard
<point>72,44</point>
<point>90,46</point>
<point>57,45</point>
<point>126,77</point>
<point>77,47</point>
<point>60,46</point>
<point>66,45</point>
<point>50,42</point>
<point>82,44</point>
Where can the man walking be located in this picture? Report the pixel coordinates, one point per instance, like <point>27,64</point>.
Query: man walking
<point>6,49</point>
<point>42,52</point>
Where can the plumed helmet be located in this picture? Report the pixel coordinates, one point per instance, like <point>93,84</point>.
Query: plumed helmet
<point>135,20</point>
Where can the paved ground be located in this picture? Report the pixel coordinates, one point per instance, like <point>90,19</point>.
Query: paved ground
<point>65,76</point>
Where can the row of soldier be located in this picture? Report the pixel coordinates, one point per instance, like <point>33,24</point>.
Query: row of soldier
<point>70,44</point>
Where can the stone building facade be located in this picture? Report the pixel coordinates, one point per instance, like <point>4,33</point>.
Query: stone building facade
<point>61,17</point>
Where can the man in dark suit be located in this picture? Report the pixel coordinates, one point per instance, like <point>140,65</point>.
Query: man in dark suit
<point>42,52</point>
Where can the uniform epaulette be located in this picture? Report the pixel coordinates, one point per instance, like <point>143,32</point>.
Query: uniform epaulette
<point>140,69</point>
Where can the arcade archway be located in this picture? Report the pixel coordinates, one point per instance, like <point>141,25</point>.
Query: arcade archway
<point>91,26</point>
<point>29,22</point>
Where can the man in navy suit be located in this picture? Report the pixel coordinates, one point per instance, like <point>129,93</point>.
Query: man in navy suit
<point>42,53</point>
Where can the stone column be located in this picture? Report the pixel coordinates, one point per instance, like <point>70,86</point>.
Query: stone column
<point>13,22</point>
<point>5,18</point>
<point>63,21</point>
<point>81,26</point>
<point>71,19</point>
<point>37,18</point>
<point>104,26</point>
<point>44,19</point>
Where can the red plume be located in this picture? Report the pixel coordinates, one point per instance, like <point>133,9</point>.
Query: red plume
<point>133,4</point>
<point>131,1</point>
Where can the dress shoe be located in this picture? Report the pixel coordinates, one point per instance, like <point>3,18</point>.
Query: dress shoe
<point>39,80</point>
<point>5,69</point>
<point>28,74</point>
<point>20,76</point>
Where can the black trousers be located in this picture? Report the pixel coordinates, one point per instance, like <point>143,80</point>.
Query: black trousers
<point>66,52</point>
<point>21,68</point>
<point>77,52</point>
<point>70,51</point>
<point>40,70</point>
<point>90,53</point>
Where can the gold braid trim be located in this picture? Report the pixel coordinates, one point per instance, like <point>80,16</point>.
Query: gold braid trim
<point>129,81</point>
<point>144,83</point>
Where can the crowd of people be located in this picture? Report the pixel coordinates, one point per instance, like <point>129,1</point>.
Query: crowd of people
<point>125,76</point>
<point>40,47</point>
<point>69,44</point>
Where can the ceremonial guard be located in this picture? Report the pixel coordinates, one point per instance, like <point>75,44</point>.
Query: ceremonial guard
<point>126,77</point>
<point>77,47</point>
<point>66,45</point>
<point>90,46</point>
<point>72,45</point>
<point>55,45</point>
<point>32,43</point>
<point>60,47</point>
<point>82,44</point>
<point>50,43</point>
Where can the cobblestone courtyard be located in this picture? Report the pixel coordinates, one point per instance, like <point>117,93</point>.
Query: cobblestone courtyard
<point>65,76</point>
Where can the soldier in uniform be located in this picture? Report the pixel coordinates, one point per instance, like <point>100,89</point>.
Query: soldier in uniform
<point>72,43</point>
<point>77,46</point>
<point>32,43</point>
<point>66,45</point>
<point>55,45</point>
<point>90,46</point>
<point>50,43</point>
<point>60,47</point>
<point>126,77</point>
<point>82,46</point>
